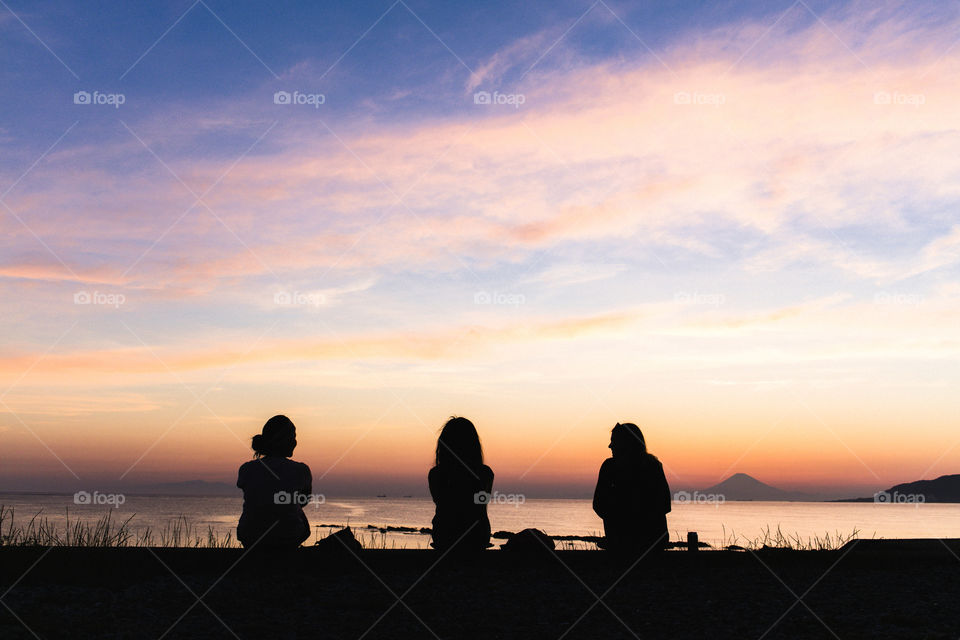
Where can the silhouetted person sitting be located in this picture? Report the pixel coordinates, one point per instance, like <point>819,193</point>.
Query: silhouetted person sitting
<point>275,489</point>
<point>632,495</point>
<point>460,485</point>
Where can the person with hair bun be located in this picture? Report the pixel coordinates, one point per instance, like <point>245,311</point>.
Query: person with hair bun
<point>275,488</point>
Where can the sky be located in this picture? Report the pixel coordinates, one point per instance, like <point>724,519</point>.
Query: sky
<point>735,224</point>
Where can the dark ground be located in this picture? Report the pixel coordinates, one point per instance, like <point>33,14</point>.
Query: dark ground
<point>873,590</point>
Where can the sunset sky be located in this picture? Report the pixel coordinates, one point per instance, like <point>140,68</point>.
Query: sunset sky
<point>735,224</point>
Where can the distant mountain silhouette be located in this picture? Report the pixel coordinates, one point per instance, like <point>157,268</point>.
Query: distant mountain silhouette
<point>189,488</point>
<point>741,486</point>
<point>942,489</point>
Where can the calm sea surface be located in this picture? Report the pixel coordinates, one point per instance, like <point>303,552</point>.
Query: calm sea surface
<point>731,522</point>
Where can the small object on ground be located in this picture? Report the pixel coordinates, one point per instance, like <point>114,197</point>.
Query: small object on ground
<point>340,541</point>
<point>693,541</point>
<point>529,542</point>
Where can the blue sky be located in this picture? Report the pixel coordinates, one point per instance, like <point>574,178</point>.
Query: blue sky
<point>675,205</point>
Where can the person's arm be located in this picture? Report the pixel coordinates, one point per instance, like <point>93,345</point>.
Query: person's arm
<point>487,479</point>
<point>601,495</point>
<point>307,480</point>
<point>240,479</point>
<point>664,490</point>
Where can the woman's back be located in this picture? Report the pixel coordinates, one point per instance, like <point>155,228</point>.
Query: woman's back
<point>632,494</point>
<point>461,496</point>
<point>275,489</point>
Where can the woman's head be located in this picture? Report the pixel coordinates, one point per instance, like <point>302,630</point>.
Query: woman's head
<point>459,445</point>
<point>278,438</point>
<point>626,441</point>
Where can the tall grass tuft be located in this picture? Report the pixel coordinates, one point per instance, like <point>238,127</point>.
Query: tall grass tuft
<point>104,532</point>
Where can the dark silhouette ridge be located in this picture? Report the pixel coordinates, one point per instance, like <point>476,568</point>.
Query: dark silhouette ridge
<point>275,489</point>
<point>632,495</point>
<point>460,485</point>
<point>741,486</point>
<point>945,489</point>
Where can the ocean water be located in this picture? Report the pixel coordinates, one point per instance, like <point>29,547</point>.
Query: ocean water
<point>717,524</point>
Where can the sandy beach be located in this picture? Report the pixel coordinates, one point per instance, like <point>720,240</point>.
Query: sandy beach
<point>869,589</point>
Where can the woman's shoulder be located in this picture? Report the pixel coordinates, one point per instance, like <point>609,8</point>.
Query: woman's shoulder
<point>486,471</point>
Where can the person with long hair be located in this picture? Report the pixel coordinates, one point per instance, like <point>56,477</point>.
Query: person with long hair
<point>461,485</point>
<point>632,495</point>
<point>275,488</point>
